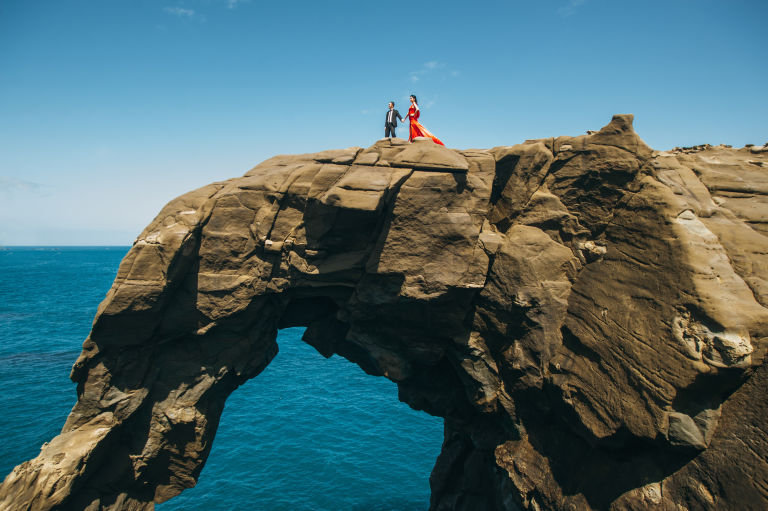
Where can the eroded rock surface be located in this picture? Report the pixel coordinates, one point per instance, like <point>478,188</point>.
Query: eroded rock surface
<point>588,316</point>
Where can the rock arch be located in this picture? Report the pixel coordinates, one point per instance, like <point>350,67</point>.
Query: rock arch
<point>583,314</point>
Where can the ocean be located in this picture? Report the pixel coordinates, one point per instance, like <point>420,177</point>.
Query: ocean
<point>307,434</point>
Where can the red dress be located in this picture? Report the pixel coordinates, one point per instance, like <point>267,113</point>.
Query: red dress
<point>417,130</point>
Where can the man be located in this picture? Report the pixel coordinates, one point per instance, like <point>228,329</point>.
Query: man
<point>390,121</point>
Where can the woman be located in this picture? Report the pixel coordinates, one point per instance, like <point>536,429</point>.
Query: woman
<point>417,130</point>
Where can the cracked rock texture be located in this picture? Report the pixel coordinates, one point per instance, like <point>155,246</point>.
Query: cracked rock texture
<point>588,315</point>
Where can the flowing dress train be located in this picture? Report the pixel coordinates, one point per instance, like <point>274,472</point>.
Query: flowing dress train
<point>417,130</point>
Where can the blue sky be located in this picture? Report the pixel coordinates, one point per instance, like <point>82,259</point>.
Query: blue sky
<point>110,108</point>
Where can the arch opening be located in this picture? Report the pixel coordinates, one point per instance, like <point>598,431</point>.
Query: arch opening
<point>309,433</point>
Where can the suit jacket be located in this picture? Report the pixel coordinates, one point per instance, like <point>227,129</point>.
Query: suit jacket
<point>395,117</point>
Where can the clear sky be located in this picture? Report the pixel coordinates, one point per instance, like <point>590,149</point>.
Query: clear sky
<point>110,108</point>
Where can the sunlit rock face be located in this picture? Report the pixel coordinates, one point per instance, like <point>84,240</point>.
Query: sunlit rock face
<point>588,316</point>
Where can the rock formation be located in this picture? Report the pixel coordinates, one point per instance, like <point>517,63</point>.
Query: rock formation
<point>588,315</point>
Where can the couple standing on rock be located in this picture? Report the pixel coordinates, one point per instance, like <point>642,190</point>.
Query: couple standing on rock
<point>416,129</point>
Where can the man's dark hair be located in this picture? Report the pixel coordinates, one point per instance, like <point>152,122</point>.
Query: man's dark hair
<point>393,103</point>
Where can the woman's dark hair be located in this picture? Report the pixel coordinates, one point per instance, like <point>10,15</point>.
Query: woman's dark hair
<point>414,99</point>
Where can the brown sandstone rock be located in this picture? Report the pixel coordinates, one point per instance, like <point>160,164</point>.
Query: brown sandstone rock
<point>588,316</point>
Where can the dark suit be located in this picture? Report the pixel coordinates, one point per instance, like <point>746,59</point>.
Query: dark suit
<point>390,123</point>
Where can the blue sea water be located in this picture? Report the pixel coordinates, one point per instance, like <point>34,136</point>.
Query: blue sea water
<point>306,434</point>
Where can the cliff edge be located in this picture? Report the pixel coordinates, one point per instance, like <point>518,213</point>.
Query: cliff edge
<point>588,315</point>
